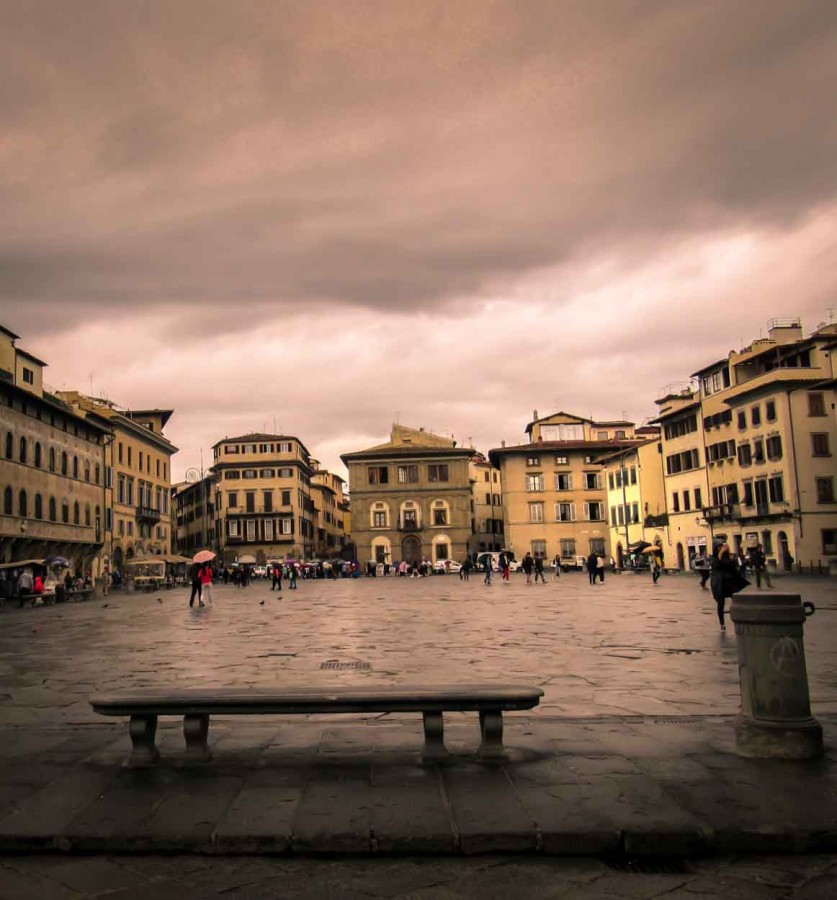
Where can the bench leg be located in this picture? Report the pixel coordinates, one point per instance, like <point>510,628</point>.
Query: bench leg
<point>434,737</point>
<point>491,728</point>
<point>195,730</point>
<point>143,730</point>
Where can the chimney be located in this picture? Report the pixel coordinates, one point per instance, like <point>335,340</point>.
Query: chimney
<point>534,415</point>
<point>502,444</point>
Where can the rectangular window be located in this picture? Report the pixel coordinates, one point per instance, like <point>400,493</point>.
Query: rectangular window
<point>232,475</point>
<point>829,541</point>
<point>820,445</point>
<point>758,450</point>
<point>563,481</point>
<point>286,473</point>
<point>232,500</point>
<point>536,512</point>
<point>610,480</point>
<point>613,516</point>
<point>439,472</point>
<point>594,512</point>
<point>130,494</point>
<point>379,519</point>
<point>539,549</point>
<point>268,529</point>
<point>634,513</point>
<point>129,457</point>
<point>130,529</point>
<point>748,493</point>
<point>120,528</point>
<point>755,415</point>
<point>250,501</point>
<point>407,474</point>
<point>698,498</point>
<point>267,473</point>
<point>377,474</point>
<point>285,447</point>
<point>561,461</point>
<point>119,451</point>
<point>533,460</point>
<point>680,428</point>
<point>286,498</point>
<point>440,517</point>
<point>592,481</point>
<point>687,501</point>
<point>232,528</point>
<point>773,445</point>
<point>251,530</point>
<point>286,526</point>
<point>534,482</point>
<point>267,501</point>
<point>816,404</point>
<point>567,548</point>
<point>776,489</point>
<point>28,376</point>
<point>633,474</point>
<point>675,502</point>
<point>770,410</point>
<point>249,473</point>
<point>565,512</point>
<point>825,489</point>
<point>120,489</point>
<point>742,420</point>
<point>601,435</point>
<point>745,455</point>
<point>620,515</point>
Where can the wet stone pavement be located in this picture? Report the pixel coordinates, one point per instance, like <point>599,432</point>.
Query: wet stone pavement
<point>631,753</point>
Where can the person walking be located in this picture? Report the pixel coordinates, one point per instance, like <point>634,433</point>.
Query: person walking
<point>505,565</point>
<point>656,568</point>
<point>276,578</point>
<point>703,566</point>
<point>195,576</point>
<point>205,577</point>
<point>556,567</point>
<point>528,564</point>
<point>465,571</point>
<point>726,579</point>
<point>292,573</point>
<point>758,563</point>
<point>489,569</point>
<point>600,567</point>
<point>591,568</point>
<point>539,570</point>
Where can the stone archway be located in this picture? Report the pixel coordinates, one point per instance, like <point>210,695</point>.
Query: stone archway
<point>117,558</point>
<point>411,550</point>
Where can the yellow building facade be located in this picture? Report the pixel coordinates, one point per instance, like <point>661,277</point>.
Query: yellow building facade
<point>411,498</point>
<point>486,507</point>
<point>52,468</point>
<point>554,496</point>
<point>263,503</point>
<point>329,513</point>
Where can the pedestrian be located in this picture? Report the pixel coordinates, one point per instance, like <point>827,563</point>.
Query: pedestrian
<point>528,565</point>
<point>292,575</point>
<point>556,567</point>
<point>703,566</point>
<point>465,571</point>
<point>276,578</point>
<point>505,566</point>
<point>226,574</point>
<point>726,579</point>
<point>758,563</point>
<point>206,584</point>
<point>654,565</point>
<point>592,561</point>
<point>789,561</point>
<point>195,577</point>
<point>539,570</point>
<point>600,567</point>
<point>489,567</point>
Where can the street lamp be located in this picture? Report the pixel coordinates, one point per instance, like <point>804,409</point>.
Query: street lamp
<point>193,475</point>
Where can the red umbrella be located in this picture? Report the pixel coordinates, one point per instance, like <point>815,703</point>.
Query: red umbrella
<point>203,556</point>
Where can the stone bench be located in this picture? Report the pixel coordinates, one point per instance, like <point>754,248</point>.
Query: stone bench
<point>432,701</point>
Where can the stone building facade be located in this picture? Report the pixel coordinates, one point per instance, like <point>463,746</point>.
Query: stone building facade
<point>411,498</point>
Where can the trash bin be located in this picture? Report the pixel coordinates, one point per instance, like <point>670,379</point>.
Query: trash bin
<point>775,720</point>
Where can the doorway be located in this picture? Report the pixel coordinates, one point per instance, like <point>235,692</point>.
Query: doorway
<point>681,563</point>
<point>411,550</point>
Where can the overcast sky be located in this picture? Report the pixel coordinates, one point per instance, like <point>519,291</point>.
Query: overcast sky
<point>329,215</point>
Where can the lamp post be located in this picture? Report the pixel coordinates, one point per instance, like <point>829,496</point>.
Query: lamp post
<point>191,476</point>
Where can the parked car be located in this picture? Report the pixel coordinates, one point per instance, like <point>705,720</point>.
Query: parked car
<point>446,567</point>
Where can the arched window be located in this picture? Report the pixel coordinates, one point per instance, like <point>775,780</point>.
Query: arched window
<point>23,449</point>
<point>39,506</point>
<point>8,445</point>
<point>38,460</point>
<point>76,516</point>
<point>52,459</point>
<point>75,467</point>
<point>98,473</point>
<point>87,515</point>
<point>7,502</point>
<point>65,512</point>
<point>63,462</point>
<point>22,505</point>
<point>86,471</point>
<point>52,514</point>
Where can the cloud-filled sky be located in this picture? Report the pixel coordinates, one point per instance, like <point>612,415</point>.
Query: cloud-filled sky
<point>326,215</point>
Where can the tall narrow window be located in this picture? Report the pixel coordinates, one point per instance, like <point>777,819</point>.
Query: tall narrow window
<point>23,449</point>
<point>38,460</point>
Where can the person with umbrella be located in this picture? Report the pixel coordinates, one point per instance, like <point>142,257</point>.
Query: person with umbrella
<point>200,561</point>
<point>725,579</point>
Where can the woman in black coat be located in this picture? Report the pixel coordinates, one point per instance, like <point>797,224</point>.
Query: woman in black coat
<point>725,579</point>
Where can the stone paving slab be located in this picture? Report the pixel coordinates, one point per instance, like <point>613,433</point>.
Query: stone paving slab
<point>689,796</point>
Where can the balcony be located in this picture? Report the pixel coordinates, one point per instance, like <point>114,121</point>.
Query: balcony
<point>722,512</point>
<point>660,521</point>
<point>410,527</point>
<point>148,514</point>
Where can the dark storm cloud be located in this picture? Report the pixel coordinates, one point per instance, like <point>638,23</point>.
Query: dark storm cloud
<point>385,155</point>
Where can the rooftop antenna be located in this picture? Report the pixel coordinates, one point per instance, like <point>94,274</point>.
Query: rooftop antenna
<point>274,424</point>
<point>831,314</point>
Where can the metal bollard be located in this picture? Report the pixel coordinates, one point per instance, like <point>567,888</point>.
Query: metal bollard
<point>775,720</point>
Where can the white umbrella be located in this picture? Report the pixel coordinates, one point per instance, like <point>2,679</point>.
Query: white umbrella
<point>247,560</point>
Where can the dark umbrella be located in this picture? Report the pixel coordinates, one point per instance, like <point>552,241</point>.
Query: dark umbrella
<point>638,546</point>
<point>57,561</point>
